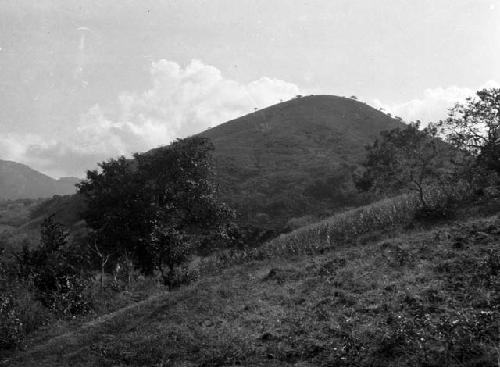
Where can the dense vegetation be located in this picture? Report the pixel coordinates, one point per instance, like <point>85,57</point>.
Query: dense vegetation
<point>397,282</point>
<point>149,213</point>
<point>146,215</point>
<point>295,158</point>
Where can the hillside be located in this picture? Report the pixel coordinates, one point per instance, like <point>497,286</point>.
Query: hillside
<point>18,181</point>
<point>424,298</point>
<point>294,158</point>
<point>20,219</point>
<point>290,160</point>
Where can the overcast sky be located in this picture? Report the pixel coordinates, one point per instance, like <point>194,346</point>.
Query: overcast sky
<point>82,81</point>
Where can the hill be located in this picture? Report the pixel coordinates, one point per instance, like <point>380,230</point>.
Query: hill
<point>291,161</point>
<point>20,219</point>
<point>421,298</point>
<point>295,158</point>
<point>18,181</point>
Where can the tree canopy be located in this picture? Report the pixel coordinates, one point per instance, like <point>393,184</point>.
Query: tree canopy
<point>474,128</point>
<point>405,159</point>
<point>156,205</point>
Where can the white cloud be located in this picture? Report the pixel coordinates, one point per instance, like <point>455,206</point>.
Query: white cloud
<point>434,104</point>
<point>180,102</point>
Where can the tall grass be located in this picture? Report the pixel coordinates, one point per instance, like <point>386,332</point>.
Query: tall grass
<point>340,229</point>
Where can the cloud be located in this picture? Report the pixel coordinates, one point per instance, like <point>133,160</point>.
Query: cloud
<point>434,104</point>
<point>181,101</point>
<point>185,101</point>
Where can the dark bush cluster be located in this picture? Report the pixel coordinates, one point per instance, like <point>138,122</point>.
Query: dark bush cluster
<point>39,284</point>
<point>11,325</point>
<point>20,312</point>
<point>56,273</point>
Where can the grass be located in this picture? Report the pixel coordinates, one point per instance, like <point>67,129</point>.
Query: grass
<point>29,323</point>
<point>424,299</point>
<point>350,227</point>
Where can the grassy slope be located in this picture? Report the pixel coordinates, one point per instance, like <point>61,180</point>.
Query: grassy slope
<point>421,298</point>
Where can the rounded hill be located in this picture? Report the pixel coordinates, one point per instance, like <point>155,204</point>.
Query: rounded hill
<point>294,158</point>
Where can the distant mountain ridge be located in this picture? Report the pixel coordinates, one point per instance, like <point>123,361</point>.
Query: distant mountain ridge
<point>18,181</point>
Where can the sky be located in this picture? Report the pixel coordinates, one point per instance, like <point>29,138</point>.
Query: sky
<point>82,81</point>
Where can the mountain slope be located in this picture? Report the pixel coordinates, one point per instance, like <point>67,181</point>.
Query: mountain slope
<point>294,158</point>
<point>19,181</point>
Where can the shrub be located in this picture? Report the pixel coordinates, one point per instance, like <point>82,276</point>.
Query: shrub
<point>20,314</point>
<point>11,326</point>
<point>55,272</point>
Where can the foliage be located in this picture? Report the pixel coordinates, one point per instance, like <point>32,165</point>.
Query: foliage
<point>20,312</point>
<point>474,128</point>
<point>117,209</point>
<point>179,180</point>
<point>406,159</point>
<point>184,197</point>
<point>155,207</point>
<point>171,249</point>
<point>56,272</point>
<point>11,333</point>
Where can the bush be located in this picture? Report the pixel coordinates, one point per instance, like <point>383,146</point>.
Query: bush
<point>55,271</point>
<point>183,275</point>
<point>20,314</point>
<point>444,209</point>
<point>11,326</point>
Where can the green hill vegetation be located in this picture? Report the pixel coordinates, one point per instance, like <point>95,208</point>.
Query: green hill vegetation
<point>295,158</point>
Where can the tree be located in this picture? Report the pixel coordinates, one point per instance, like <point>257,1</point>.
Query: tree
<point>146,207</point>
<point>181,184</point>
<point>56,272</point>
<point>100,254</point>
<point>117,210</point>
<point>474,129</point>
<point>405,159</point>
<point>171,249</point>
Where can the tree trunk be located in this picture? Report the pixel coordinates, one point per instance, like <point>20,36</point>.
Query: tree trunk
<point>102,274</point>
<point>421,196</point>
<point>171,277</point>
